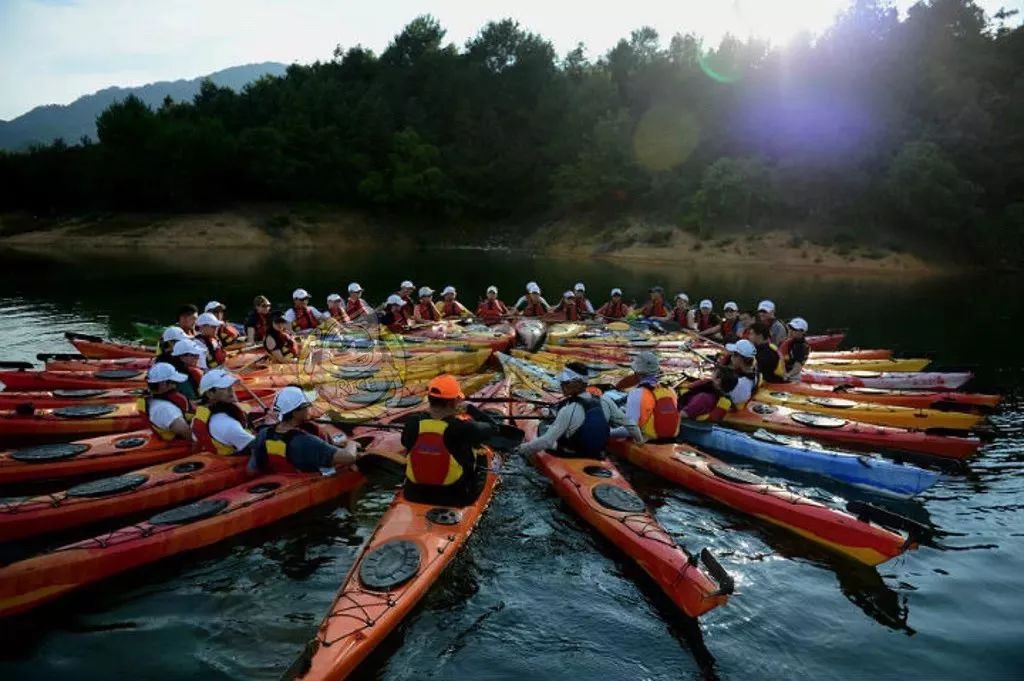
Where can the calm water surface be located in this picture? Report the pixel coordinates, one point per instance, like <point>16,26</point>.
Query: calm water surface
<point>535,595</point>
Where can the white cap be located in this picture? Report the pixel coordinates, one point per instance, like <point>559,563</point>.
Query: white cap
<point>731,305</point>
<point>567,375</point>
<point>616,291</point>
<point>426,291</point>
<point>217,378</point>
<point>532,287</point>
<point>798,323</point>
<point>682,296</point>
<point>300,294</point>
<point>291,398</point>
<point>186,347</point>
<point>333,298</point>
<point>706,304</point>
<point>354,287</point>
<point>743,348</point>
<point>645,363</point>
<point>407,284</point>
<point>766,305</point>
<point>162,371</point>
<point>394,300</point>
<point>208,319</point>
<point>492,289</point>
<point>579,286</point>
<point>213,305</point>
<point>174,333</point>
<point>568,294</point>
<point>447,290</point>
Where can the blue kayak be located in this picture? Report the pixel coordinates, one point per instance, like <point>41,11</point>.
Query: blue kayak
<point>872,473</point>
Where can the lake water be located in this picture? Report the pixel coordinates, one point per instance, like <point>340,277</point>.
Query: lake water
<point>535,594</point>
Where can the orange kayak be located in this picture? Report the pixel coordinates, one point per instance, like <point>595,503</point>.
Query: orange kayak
<point>916,399</point>
<point>52,399</point>
<point>67,423</point>
<point>30,583</point>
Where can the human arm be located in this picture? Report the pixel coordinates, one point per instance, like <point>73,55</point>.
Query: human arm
<point>623,424</point>
<point>561,426</point>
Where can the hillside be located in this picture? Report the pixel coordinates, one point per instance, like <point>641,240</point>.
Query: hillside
<point>43,124</point>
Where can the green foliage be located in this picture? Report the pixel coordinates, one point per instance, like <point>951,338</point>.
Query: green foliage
<point>928,192</point>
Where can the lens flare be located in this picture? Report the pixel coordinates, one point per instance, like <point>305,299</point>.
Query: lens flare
<point>665,137</point>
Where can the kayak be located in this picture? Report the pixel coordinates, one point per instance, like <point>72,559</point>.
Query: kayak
<point>33,380</point>
<point>51,399</point>
<point>892,365</point>
<point>561,330</point>
<point>86,457</point>
<point>757,415</point>
<point>530,333</point>
<point>825,342</point>
<point>875,379</point>
<point>841,532</point>
<point>856,353</point>
<point>95,347</point>
<point>151,488</point>
<point>407,552</point>
<point>30,583</point>
<point>864,471</point>
<point>915,399</point>
<point>882,414</point>
<point>68,423</point>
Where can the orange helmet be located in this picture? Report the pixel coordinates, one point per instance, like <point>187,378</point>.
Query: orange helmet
<point>446,387</point>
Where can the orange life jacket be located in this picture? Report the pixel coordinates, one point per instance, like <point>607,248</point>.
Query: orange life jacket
<point>227,333</point>
<point>533,309</point>
<point>201,427</point>
<point>428,311</point>
<point>304,319</point>
<point>654,309</point>
<point>450,309</point>
<point>680,316</point>
<point>215,353</point>
<point>355,308</point>
<point>491,311</point>
<point>286,343</point>
<point>659,412</point>
<point>613,310</point>
<point>429,462</point>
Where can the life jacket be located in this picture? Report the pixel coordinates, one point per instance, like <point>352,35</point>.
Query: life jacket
<point>395,323</point>
<point>569,312</point>
<point>201,426</point>
<point>655,309</point>
<point>262,326</point>
<point>534,309</point>
<point>722,405</point>
<point>408,305</point>
<point>659,412</point>
<point>703,321</point>
<point>174,397</point>
<point>305,319</point>
<point>355,308</point>
<point>275,445</point>
<point>679,315</point>
<point>190,386</point>
<point>227,333</point>
<point>215,353</point>
<point>338,312</point>
<point>729,329</point>
<point>429,461</point>
<point>450,309</point>
<point>286,344</point>
<point>491,311</point>
<point>581,306</point>
<point>613,310</point>
<point>428,311</point>
<point>591,438</point>
<point>776,372</point>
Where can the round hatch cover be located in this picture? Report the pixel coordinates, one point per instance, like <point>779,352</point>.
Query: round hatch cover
<point>390,564</point>
<point>618,498</point>
<point>190,513</point>
<point>85,411</point>
<point>46,453</point>
<point>107,486</point>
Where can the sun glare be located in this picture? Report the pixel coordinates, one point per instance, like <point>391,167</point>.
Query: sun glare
<point>779,21</point>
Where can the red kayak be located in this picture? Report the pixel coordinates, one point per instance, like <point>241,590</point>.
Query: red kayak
<point>52,399</point>
<point>827,342</point>
<point>30,583</point>
<point>69,423</point>
<point>94,347</point>
<point>31,380</point>
<point>915,399</point>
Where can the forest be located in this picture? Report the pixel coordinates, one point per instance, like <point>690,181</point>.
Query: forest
<point>912,123</point>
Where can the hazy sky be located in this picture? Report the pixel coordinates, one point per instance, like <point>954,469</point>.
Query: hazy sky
<point>54,51</point>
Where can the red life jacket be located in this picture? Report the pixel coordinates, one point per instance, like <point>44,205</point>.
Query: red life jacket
<point>429,461</point>
<point>581,306</point>
<point>679,316</point>
<point>704,321</point>
<point>659,412</point>
<point>262,325</point>
<point>215,354</point>
<point>174,397</point>
<point>305,319</point>
<point>338,312</point>
<point>201,427</point>
<point>395,322</point>
<point>728,328</point>
<point>355,308</point>
<point>569,312</point>
<point>613,310</point>
<point>227,333</point>
<point>654,309</point>
<point>491,311</point>
<point>450,309</point>
<point>286,343</point>
<point>408,305</point>
<point>533,309</point>
<point>428,311</point>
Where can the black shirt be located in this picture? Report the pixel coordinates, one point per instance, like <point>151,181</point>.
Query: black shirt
<point>768,363</point>
<point>798,351</point>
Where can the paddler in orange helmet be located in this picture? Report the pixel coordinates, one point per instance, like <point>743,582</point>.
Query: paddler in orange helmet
<point>442,465</point>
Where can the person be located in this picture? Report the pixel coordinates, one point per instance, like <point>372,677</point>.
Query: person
<point>766,315</point>
<point>681,311</point>
<point>491,310</point>
<point>565,311</point>
<point>227,333</point>
<point>405,291</point>
<point>584,421</point>
<point>583,307</point>
<point>295,443</point>
<point>442,467</point>
<point>426,311</point>
<point>725,329</point>
<point>651,405</point>
<point>357,309</point>
<point>449,307</point>
<point>187,315</point>
<point>170,336</point>
<point>770,366</point>
<point>188,357</point>
<point>744,321</point>
<point>794,349</point>
<point>258,321</point>
<point>301,315</point>
<point>167,409</point>
<point>740,357</point>
<point>209,338</point>
<point>704,317</point>
<point>615,309</point>
<point>393,317</point>
<point>282,347</point>
<point>532,304</point>
<point>655,308</point>
<point>336,308</point>
<point>220,425</point>
<point>708,400</point>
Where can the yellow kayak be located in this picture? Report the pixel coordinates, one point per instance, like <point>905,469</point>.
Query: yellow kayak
<point>878,414</point>
<point>888,365</point>
<point>563,330</point>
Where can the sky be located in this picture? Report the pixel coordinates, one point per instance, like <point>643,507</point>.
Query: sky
<point>54,51</point>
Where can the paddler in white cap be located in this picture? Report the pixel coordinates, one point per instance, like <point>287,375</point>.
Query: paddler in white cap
<point>491,310</point>
<point>532,304</point>
<point>615,309</point>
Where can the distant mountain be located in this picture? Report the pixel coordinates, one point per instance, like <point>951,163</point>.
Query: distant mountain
<point>43,124</point>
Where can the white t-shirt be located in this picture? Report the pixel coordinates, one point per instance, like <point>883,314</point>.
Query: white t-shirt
<point>229,431</point>
<point>289,314</point>
<point>163,413</point>
<point>743,391</point>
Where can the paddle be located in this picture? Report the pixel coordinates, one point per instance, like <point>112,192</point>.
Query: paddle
<point>507,437</point>
<point>16,365</point>
<point>506,400</point>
